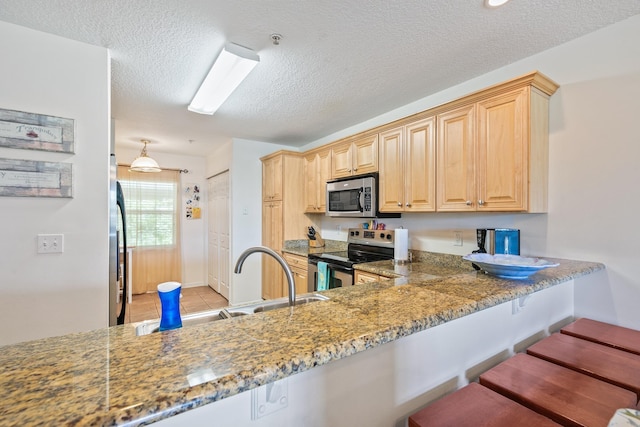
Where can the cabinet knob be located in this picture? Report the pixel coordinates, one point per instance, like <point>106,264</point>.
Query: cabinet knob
<point>348,170</point>
<point>468,203</point>
<point>355,169</point>
<point>408,205</point>
<point>481,202</point>
<point>399,204</point>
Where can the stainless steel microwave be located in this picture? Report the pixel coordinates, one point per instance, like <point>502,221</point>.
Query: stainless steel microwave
<point>354,197</point>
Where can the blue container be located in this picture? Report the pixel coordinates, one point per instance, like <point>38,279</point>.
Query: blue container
<point>169,294</point>
<point>507,241</point>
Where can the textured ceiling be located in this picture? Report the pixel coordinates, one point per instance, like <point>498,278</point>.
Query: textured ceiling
<point>339,63</point>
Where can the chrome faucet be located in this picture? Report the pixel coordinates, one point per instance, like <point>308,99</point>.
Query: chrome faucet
<point>281,261</point>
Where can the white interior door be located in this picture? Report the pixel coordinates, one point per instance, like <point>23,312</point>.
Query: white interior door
<point>218,234</point>
<point>223,233</point>
<point>213,240</point>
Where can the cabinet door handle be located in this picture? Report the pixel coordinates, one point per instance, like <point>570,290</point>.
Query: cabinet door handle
<point>481,202</point>
<point>355,169</point>
<point>348,170</point>
<point>468,203</point>
<point>408,205</point>
<point>399,204</point>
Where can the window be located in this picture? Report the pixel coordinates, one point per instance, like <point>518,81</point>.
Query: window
<point>151,212</point>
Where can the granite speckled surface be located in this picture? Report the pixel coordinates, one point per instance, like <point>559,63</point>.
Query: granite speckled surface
<point>301,247</point>
<point>113,377</point>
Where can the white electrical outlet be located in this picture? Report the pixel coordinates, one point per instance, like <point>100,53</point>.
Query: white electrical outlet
<point>50,243</point>
<point>269,398</point>
<point>457,238</point>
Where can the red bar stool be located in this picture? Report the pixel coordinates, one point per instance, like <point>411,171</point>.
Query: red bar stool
<point>608,364</point>
<point>567,397</point>
<point>604,333</point>
<point>477,406</point>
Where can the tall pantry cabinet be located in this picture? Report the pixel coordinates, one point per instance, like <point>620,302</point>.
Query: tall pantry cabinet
<point>282,214</point>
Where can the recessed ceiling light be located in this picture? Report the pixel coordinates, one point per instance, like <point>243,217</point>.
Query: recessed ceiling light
<point>494,3</point>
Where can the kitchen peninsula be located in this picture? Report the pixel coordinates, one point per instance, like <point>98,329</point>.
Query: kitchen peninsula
<point>454,323</point>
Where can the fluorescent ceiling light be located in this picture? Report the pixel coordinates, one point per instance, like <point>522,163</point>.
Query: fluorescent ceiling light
<point>231,67</point>
<point>495,3</point>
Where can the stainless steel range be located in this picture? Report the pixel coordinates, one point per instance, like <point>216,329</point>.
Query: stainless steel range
<point>363,246</point>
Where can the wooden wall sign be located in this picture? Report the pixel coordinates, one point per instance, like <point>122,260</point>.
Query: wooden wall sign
<point>26,178</point>
<point>36,131</point>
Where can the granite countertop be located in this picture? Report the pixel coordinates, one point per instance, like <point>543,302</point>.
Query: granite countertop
<point>113,377</point>
<point>302,248</point>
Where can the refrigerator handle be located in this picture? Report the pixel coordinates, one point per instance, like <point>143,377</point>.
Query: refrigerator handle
<point>120,204</point>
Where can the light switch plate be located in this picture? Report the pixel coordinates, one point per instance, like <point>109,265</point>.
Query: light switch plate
<point>50,243</point>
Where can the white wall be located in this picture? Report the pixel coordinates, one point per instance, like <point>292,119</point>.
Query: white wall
<point>193,232</point>
<point>593,171</point>
<point>242,158</point>
<point>55,294</point>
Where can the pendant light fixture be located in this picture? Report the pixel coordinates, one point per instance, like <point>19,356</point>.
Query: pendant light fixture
<point>144,163</point>
<point>231,67</point>
<point>494,3</point>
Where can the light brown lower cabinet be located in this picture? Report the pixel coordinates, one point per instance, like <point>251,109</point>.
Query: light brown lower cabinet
<point>272,274</point>
<point>361,277</point>
<point>300,269</point>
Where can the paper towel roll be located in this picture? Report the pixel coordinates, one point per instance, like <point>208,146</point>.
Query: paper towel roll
<point>401,245</point>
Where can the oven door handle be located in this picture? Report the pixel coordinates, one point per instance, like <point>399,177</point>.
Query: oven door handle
<point>340,268</point>
<point>331,266</point>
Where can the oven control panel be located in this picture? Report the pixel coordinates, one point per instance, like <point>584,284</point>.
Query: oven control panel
<point>371,237</point>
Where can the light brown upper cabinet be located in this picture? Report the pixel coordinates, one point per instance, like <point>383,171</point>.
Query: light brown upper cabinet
<point>487,151</point>
<point>317,169</point>
<point>272,178</point>
<point>407,159</point>
<point>354,156</point>
<point>492,155</point>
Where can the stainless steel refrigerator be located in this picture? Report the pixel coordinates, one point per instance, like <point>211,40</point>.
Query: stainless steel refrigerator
<point>118,267</point>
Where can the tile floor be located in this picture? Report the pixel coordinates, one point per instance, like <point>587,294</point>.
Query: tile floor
<point>199,298</point>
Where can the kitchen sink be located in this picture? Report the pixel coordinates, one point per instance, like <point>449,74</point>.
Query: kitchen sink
<point>299,301</point>
<point>150,326</point>
<point>147,327</point>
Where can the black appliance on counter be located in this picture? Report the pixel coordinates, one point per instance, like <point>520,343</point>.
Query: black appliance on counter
<point>362,246</point>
